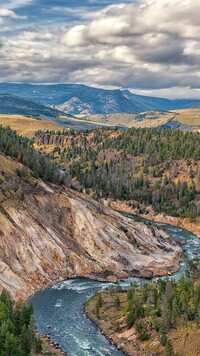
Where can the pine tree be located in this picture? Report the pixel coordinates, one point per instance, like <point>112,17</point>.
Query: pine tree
<point>117,303</point>
<point>169,349</point>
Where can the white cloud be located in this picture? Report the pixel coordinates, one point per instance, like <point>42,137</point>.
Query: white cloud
<point>74,37</point>
<point>171,93</point>
<point>10,13</point>
<point>148,45</point>
<point>13,4</point>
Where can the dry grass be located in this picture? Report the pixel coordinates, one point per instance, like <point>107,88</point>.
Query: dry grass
<point>26,126</point>
<point>151,119</point>
<point>82,119</point>
<point>7,164</point>
<point>188,117</point>
<point>186,341</point>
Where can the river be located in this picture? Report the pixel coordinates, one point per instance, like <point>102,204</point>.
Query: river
<point>61,307</point>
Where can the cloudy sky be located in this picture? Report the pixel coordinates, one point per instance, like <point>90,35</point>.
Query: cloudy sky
<point>149,46</point>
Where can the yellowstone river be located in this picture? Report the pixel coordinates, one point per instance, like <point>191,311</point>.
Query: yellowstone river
<point>61,307</point>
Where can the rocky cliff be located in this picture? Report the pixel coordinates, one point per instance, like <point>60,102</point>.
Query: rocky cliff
<point>52,233</point>
<point>49,139</point>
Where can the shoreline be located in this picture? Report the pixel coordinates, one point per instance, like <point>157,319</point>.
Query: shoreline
<point>50,346</point>
<point>119,344</point>
<point>110,339</point>
<point>120,347</point>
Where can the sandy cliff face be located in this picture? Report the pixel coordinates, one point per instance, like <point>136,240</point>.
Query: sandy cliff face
<point>53,234</point>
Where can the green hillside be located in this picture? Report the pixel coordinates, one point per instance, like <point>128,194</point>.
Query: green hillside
<point>144,166</point>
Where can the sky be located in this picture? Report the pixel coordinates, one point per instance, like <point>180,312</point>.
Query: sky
<point>151,47</point>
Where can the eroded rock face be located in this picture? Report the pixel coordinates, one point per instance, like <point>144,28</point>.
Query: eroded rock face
<point>53,235</point>
<point>55,140</point>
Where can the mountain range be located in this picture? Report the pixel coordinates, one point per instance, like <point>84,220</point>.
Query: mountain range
<point>77,99</point>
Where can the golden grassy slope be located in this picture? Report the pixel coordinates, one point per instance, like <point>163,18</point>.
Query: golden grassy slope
<point>188,118</point>
<point>27,126</point>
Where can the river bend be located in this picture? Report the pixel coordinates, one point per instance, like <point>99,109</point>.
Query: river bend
<point>61,307</point>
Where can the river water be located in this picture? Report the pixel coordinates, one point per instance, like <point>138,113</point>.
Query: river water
<point>61,307</point>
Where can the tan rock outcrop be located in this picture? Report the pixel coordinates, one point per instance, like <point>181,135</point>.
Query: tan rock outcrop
<point>55,234</point>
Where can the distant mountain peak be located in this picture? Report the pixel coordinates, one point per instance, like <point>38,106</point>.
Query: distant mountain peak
<point>82,99</point>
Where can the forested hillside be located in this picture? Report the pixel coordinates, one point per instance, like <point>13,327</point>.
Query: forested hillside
<point>145,166</point>
<point>158,318</point>
<point>22,149</point>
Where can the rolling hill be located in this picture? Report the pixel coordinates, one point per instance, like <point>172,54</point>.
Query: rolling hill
<point>27,126</point>
<point>11,104</point>
<point>185,119</point>
<point>97,107</point>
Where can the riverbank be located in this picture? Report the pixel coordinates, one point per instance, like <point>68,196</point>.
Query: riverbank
<point>185,223</point>
<point>50,348</point>
<point>100,324</point>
